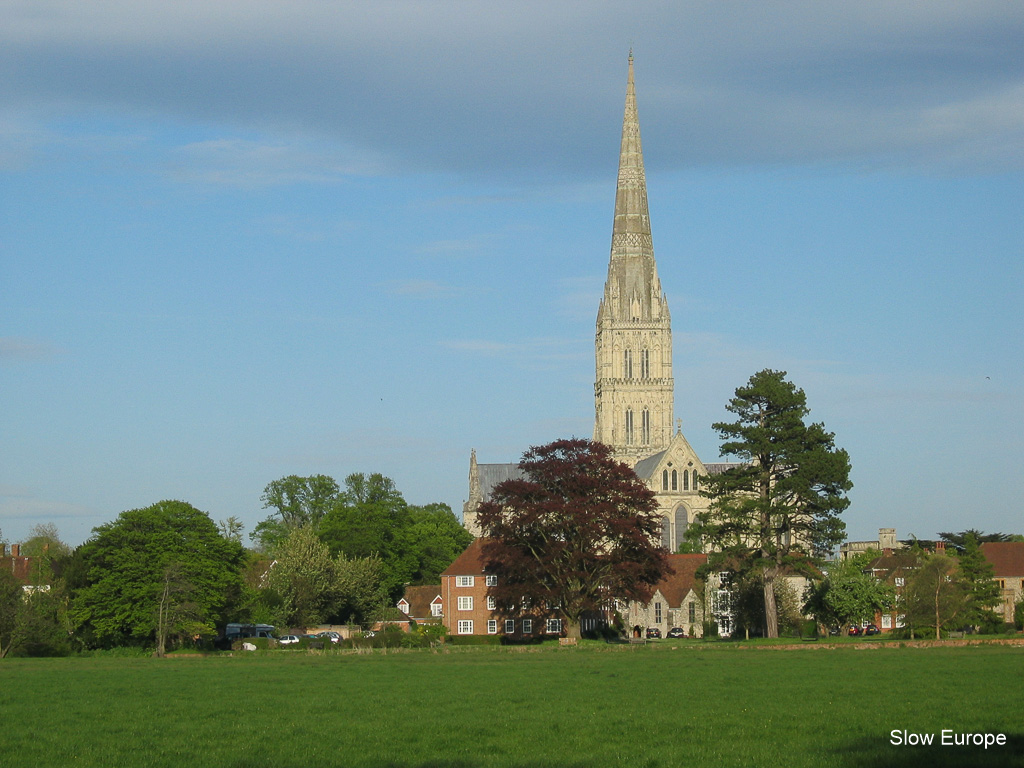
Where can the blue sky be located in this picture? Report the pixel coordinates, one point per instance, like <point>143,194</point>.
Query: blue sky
<point>245,240</point>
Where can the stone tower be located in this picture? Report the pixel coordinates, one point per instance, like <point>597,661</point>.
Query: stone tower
<point>633,391</point>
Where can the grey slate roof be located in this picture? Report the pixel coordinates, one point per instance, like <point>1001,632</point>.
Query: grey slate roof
<point>492,474</point>
<point>645,467</point>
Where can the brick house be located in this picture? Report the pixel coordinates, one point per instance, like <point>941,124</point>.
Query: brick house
<point>1007,558</point>
<point>468,609</point>
<point>894,568</point>
<point>422,603</point>
<point>675,602</point>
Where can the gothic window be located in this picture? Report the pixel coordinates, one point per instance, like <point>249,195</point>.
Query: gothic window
<point>695,480</point>
<point>645,364</point>
<point>686,480</point>
<point>681,523</point>
<point>675,481</point>
<point>627,364</point>
<point>664,480</point>
<point>629,426</point>
<point>645,427</point>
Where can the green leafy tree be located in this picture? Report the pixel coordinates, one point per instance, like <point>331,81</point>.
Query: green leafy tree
<point>935,597</point>
<point>304,575</point>
<point>978,577</point>
<point>10,602</point>
<point>578,531</point>
<point>127,562</point>
<point>778,510</point>
<point>297,502</point>
<point>848,594</point>
<point>371,519</point>
<point>436,537</point>
<point>314,586</point>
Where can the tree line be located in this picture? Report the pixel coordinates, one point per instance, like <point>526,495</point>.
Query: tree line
<point>168,574</point>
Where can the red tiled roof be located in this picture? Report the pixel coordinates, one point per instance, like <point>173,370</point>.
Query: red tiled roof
<point>676,586</point>
<point>469,563</point>
<point>420,598</point>
<point>1007,557</point>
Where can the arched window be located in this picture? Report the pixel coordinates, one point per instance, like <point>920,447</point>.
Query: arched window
<point>686,480</point>
<point>627,364</point>
<point>629,426</point>
<point>645,427</point>
<point>666,533</point>
<point>681,523</point>
<point>675,481</point>
<point>645,364</point>
<point>695,479</point>
<point>664,480</point>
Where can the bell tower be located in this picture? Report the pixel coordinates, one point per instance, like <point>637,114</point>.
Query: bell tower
<point>633,390</point>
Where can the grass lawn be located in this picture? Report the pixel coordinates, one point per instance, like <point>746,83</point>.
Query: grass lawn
<point>706,705</point>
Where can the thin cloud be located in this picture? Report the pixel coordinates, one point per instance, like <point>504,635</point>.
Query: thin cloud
<point>806,82</point>
<point>250,164</point>
<point>26,350</point>
<point>422,289</point>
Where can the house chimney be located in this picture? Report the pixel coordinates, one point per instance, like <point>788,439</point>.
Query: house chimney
<point>15,550</point>
<point>887,552</point>
<point>940,547</point>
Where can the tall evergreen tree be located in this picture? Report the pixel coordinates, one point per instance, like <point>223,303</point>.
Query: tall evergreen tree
<point>779,509</point>
<point>979,579</point>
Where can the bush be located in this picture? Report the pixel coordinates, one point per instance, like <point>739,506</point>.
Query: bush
<point>476,639</point>
<point>710,630</point>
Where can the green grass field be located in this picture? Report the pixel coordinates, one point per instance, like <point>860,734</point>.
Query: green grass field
<point>712,705</point>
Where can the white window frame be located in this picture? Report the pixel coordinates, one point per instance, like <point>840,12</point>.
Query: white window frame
<point>465,627</point>
<point>464,581</point>
<point>491,604</point>
<point>465,602</point>
<point>490,581</point>
<point>527,626</point>
<point>899,581</point>
<point>554,627</point>
<point>436,609</point>
<point>886,621</point>
<point>510,626</point>
<point>492,626</point>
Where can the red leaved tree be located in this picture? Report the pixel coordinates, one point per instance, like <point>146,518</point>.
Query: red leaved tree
<point>579,531</point>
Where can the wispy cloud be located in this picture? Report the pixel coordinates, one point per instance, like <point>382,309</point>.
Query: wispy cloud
<point>532,354</point>
<point>421,289</point>
<point>254,164</point>
<point>20,350</point>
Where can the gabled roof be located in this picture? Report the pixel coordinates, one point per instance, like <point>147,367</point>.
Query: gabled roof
<point>646,467</point>
<point>1007,557</point>
<point>492,474</point>
<point>470,562</point>
<point>421,598</point>
<point>676,586</point>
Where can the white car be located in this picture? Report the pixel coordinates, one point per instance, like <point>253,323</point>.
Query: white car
<point>289,640</point>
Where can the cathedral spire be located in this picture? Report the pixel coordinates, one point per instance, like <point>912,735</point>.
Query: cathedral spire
<point>631,232</point>
<point>634,387</point>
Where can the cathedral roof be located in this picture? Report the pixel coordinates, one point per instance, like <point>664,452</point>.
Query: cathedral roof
<point>492,474</point>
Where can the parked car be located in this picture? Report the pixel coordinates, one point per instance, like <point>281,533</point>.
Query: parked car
<point>288,639</point>
<point>853,631</point>
<point>871,629</point>
<point>653,633</point>
<point>334,637</point>
<point>676,632</point>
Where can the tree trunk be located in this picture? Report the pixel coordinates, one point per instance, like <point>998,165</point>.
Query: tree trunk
<point>771,612</point>
<point>573,629</point>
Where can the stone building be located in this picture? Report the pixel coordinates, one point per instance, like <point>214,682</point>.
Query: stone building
<point>634,385</point>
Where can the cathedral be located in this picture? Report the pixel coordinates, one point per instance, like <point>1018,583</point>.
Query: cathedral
<point>633,386</point>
